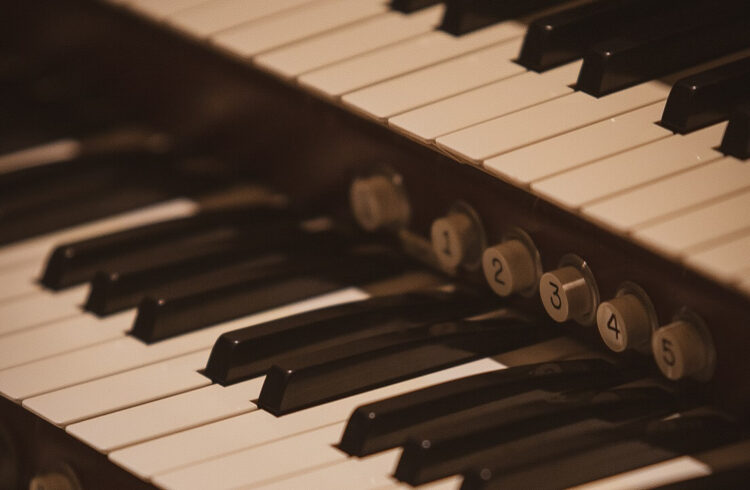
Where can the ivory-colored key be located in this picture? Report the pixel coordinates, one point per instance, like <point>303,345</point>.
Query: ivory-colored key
<point>727,261</point>
<point>638,207</point>
<point>570,150</point>
<point>40,308</point>
<point>35,156</point>
<point>212,16</point>
<point>308,20</point>
<point>234,434</point>
<point>436,82</point>
<point>260,463</point>
<point>18,281</point>
<point>62,336</point>
<point>35,249</point>
<point>410,55</point>
<point>121,390</point>
<point>167,415</point>
<point>694,229</point>
<point>126,353</point>
<point>486,102</point>
<point>652,476</point>
<point>346,42</point>
<point>629,169</point>
<point>158,9</point>
<point>572,111</point>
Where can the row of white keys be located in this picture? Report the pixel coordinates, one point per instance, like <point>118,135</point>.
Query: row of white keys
<point>39,308</point>
<point>125,353</point>
<point>398,59</point>
<point>247,40</point>
<point>481,104</point>
<point>158,9</point>
<point>636,208</point>
<point>346,42</point>
<point>569,112</point>
<point>212,16</point>
<point>415,89</point>
<point>257,428</point>
<point>626,170</point>
<point>35,250</point>
<point>207,442</point>
<point>727,261</point>
<point>62,336</point>
<point>104,395</point>
<point>531,164</point>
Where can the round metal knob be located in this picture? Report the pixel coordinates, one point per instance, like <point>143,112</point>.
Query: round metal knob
<point>684,349</point>
<point>509,267</point>
<point>627,321</point>
<point>570,292</point>
<point>379,202</point>
<point>52,481</point>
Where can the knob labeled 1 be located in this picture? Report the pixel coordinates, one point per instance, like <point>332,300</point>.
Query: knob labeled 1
<point>684,349</point>
<point>458,238</point>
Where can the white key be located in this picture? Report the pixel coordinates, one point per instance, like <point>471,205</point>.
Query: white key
<point>121,390</point>
<point>158,9</point>
<point>404,57</point>
<point>631,168</point>
<point>19,281</point>
<point>696,229</point>
<point>450,483</point>
<point>40,308</point>
<point>436,82</point>
<point>650,202</point>
<point>546,120</point>
<point>493,100</point>
<point>346,42</point>
<point>370,473</point>
<point>256,37</point>
<point>167,416</point>
<point>34,250</point>
<point>62,336</point>
<point>575,148</point>
<point>260,463</point>
<point>745,282</point>
<point>36,156</point>
<point>212,16</point>
<point>226,436</point>
<point>725,261</point>
<point>652,476</point>
<point>119,355</point>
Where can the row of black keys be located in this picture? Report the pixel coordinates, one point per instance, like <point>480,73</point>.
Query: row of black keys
<point>626,42</point>
<point>502,429</point>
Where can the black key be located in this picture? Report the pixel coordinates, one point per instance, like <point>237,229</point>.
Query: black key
<point>104,202</point>
<point>706,98</point>
<point>179,315</point>
<point>562,37</point>
<point>366,364</point>
<point>251,351</point>
<point>734,479</point>
<point>77,262</point>
<point>388,423</point>
<point>195,268</point>
<point>736,141</point>
<point>408,6</point>
<point>664,44</point>
<point>464,16</point>
<point>659,441</point>
<point>469,441</point>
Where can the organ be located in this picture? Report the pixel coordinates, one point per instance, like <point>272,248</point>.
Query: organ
<point>575,170</point>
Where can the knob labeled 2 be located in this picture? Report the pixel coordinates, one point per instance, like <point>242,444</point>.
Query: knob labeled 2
<point>512,266</point>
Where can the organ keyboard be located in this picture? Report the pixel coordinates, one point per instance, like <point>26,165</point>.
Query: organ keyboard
<point>212,210</point>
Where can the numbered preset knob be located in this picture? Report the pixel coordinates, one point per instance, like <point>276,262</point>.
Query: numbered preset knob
<point>379,202</point>
<point>626,321</point>
<point>568,294</point>
<point>457,239</point>
<point>510,267</point>
<point>683,349</point>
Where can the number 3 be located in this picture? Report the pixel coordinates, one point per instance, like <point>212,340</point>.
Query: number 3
<point>555,299</point>
<point>668,355</point>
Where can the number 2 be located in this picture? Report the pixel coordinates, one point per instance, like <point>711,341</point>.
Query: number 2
<point>499,270</point>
